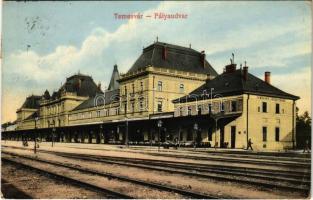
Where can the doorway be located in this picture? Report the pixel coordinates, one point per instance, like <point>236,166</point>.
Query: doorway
<point>233,136</point>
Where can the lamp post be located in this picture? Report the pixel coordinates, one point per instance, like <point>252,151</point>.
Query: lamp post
<point>195,127</point>
<point>216,118</point>
<point>160,126</point>
<point>53,130</point>
<point>126,135</point>
<point>101,132</point>
<point>35,146</point>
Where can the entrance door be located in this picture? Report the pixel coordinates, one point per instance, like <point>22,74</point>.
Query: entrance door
<point>233,136</point>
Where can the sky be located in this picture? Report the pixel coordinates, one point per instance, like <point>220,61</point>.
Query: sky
<point>45,42</point>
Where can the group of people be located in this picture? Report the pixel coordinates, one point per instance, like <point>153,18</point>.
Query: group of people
<point>25,142</point>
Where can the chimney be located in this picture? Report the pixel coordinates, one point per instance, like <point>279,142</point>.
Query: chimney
<point>230,68</point>
<point>267,77</point>
<point>245,73</point>
<point>202,58</point>
<point>164,53</point>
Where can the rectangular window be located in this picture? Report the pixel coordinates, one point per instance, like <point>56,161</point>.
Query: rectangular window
<point>125,108</point>
<point>159,106</point>
<point>189,110</point>
<point>181,111</point>
<point>98,113</point>
<point>264,107</point>
<point>210,108</point>
<point>277,108</point>
<point>141,105</point>
<point>141,85</point>
<point>277,134</point>
<point>133,88</point>
<point>199,110</point>
<point>264,131</point>
<point>222,106</point>
<point>160,86</point>
<point>233,106</point>
<point>133,107</point>
<point>125,90</point>
<point>181,88</point>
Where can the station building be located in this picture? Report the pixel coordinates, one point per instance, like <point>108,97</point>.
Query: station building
<point>170,94</point>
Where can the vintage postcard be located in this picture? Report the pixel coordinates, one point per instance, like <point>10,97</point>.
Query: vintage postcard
<point>156,99</point>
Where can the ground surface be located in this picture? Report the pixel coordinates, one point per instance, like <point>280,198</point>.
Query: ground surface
<point>36,185</point>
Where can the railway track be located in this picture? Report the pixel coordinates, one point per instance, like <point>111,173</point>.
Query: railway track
<point>304,172</point>
<point>255,158</point>
<point>161,187</point>
<point>239,176</point>
<point>279,155</point>
<point>291,165</point>
<point>305,159</point>
<point>250,161</point>
<point>155,165</point>
<point>106,192</point>
<point>260,178</point>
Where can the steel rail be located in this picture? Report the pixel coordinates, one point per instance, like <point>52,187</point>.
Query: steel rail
<point>124,178</point>
<point>294,174</point>
<point>69,180</point>
<point>147,164</point>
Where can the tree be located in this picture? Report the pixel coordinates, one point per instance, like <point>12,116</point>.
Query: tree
<point>303,127</point>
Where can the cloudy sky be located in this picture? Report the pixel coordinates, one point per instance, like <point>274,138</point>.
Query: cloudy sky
<point>45,42</point>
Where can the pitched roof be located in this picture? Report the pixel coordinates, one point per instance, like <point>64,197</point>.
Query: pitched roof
<point>114,85</point>
<point>33,116</point>
<point>32,102</point>
<point>91,102</point>
<point>177,58</point>
<point>46,95</point>
<point>229,84</point>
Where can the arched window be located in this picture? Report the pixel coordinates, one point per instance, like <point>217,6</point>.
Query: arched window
<point>181,88</point>
<point>160,86</point>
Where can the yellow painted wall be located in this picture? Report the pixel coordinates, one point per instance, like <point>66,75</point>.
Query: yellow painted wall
<point>256,120</point>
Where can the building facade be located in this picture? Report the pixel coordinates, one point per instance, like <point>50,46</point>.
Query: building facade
<point>258,111</point>
<point>168,83</point>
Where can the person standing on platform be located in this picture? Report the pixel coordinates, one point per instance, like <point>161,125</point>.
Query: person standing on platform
<point>306,147</point>
<point>250,144</point>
